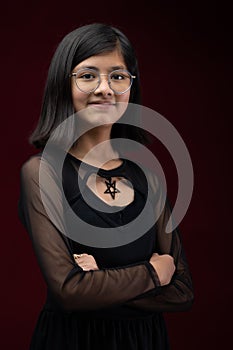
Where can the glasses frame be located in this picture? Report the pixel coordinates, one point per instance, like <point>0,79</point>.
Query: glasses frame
<point>99,82</point>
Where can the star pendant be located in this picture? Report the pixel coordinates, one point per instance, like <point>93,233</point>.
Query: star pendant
<point>111,187</point>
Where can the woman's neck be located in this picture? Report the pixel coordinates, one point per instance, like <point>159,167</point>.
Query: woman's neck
<point>94,147</point>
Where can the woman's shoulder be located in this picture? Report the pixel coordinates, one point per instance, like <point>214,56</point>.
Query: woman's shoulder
<point>38,166</point>
<point>30,168</point>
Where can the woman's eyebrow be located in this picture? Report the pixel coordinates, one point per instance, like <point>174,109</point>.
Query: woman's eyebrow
<point>118,67</point>
<point>97,69</point>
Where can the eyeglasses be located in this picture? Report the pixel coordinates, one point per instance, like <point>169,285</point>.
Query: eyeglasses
<point>88,80</point>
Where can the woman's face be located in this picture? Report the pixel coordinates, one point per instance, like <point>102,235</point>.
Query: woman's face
<point>102,103</point>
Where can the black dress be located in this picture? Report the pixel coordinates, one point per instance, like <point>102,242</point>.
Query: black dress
<point>120,305</point>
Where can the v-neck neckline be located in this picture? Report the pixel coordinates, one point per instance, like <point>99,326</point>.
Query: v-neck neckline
<point>90,169</point>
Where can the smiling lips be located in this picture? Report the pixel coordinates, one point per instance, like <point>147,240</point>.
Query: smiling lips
<point>101,104</point>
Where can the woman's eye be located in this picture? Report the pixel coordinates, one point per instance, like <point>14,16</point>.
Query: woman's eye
<point>117,77</point>
<point>87,76</point>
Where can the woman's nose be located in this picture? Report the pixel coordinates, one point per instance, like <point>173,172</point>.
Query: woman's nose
<point>104,87</point>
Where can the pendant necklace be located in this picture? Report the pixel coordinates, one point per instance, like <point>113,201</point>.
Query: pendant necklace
<point>111,187</point>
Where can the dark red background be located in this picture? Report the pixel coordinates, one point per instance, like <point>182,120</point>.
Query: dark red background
<point>185,58</point>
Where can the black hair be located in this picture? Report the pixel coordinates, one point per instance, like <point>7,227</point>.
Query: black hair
<point>78,45</point>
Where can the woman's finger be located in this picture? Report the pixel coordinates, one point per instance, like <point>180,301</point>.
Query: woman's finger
<point>78,256</point>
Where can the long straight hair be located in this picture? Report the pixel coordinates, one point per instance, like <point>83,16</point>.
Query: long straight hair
<point>78,45</point>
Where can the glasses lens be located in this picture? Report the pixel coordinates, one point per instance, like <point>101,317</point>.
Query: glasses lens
<point>87,80</point>
<point>120,81</point>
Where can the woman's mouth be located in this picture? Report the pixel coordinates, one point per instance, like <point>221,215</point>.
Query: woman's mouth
<point>101,105</point>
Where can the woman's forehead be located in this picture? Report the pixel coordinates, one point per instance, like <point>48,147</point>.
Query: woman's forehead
<point>107,60</point>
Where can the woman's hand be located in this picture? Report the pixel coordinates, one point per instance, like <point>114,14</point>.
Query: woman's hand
<point>164,266</point>
<point>85,261</point>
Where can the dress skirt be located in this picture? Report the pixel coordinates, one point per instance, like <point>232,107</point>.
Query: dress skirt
<point>79,331</point>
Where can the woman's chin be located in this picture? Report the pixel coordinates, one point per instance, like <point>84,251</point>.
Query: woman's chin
<point>97,115</point>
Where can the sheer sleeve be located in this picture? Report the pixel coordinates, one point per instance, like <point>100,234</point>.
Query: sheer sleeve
<point>73,288</point>
<point>178,295</point>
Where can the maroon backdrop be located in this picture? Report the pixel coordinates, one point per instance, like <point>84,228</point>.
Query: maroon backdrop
<point>185,59</point>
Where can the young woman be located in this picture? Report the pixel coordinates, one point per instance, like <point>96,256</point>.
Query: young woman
<point>99,297</point>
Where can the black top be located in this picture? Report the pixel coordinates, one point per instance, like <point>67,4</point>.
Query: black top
<point>118,306</point>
